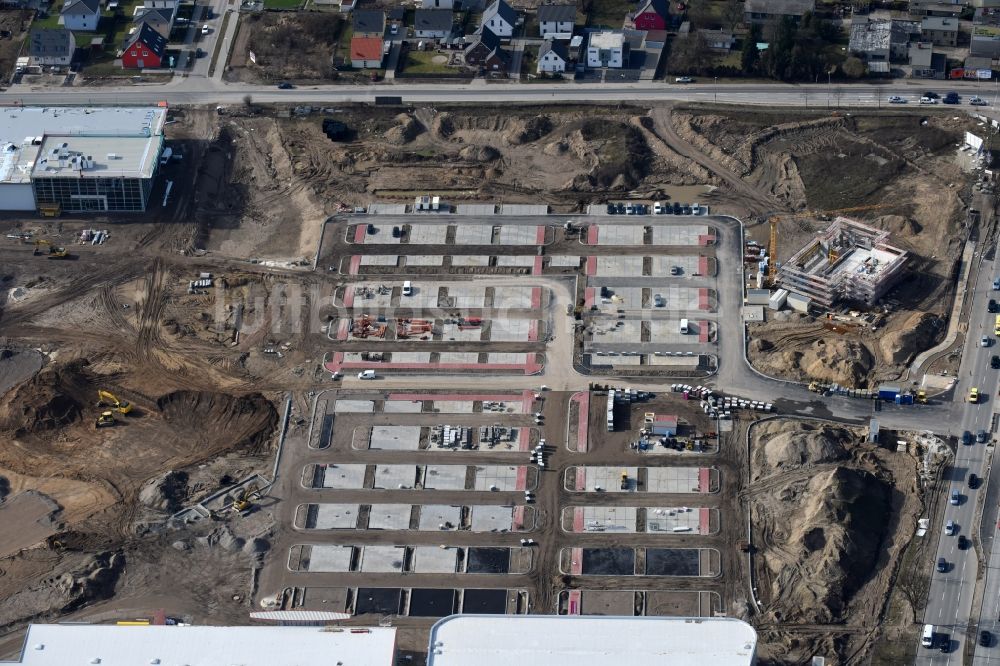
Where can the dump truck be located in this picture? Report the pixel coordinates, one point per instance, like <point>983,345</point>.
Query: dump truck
<point>624,485</point>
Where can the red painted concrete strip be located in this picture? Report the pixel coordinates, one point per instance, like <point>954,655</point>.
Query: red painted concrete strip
<point>533,330</point>
<point>540,235</point>
<point>522,439</point>
<point>359,233</point>
<point>575,602</point>
<point>588,297</point>
<point>491,397</point>
<point>342,329</point>
<point>581,478</point>
<point>537,268</point>
<point>335,364</point>
<point>704,480</point>
<point>703,298</point>
<point>576,564</point>
<point>536,298</point>
<point>349,296</point>
<point>592,234</point>
<point>518,518</point>
<point>441,366</point>
<point>591,265</point>
<point>355,265</point>
<point>702,330</point>
<point>527,401</point>
<point>704,521</point>
<point>702,265</point>
<point>583,414</point>
<point>522,478</point>
<point>578,519</point>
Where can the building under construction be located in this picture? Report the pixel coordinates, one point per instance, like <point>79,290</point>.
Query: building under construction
<point>849,261</point>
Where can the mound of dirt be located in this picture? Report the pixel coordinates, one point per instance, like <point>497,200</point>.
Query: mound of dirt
<point>406,131</point>
<point>479,153</point>
<point>556,148</point>
<point>51,399</point>
<point>846,362</point>
<point>791,444</point>
<point>521,131</point>
<point>622,155</point>
<point>918,333</point>
<point>443,125</point>
<point>825,543</point>
<point>244,422</point>
<point>899,226</point>
<point>166,492</point>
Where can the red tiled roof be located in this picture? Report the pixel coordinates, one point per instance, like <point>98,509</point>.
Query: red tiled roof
<point>366,48</point>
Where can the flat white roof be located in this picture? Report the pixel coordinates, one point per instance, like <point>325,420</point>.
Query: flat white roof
<point>551,640</point>
<point>125,157</point>
<point>72,645</point>
<point>24,129</point>
<point>861,261</point>
<point>607,40</point>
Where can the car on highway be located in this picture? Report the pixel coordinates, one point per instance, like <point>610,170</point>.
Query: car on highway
<point>995,362</point>
<point>984,341</point>
<point>683,79</point>
<point>996,283</point>
<point>985,638</point>
<point>956,497</point>
<point>944,643</point>
<point>993,306</point>
<point>966,438</point>
<point>981,436</point>
<point>285,85</point>
<point>942,565</point>
<point>951,98</point>
<point>949,528</point>
<point>973,480</point>
<point>973,395</point>
<point>205,29</point>
<point>977,101</point>
<point>928,100</point>
<point>931,94</point>
<point>963,543</point>
<point>896,99</point>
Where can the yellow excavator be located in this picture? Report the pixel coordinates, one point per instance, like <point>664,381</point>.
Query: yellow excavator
<point>244,501</point>
<point>104,420</point>
<point>107,399</point>
<point>54,252</point>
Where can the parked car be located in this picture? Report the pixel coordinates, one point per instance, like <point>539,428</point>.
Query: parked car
<point>683,79</point>
<point>928,100</point>
<point>896,99</point>
<point>951,98</point>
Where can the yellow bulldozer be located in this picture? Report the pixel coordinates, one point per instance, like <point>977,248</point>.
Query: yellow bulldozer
<point>107,399</point>
<point>53,251</point>
<point>105,420</point>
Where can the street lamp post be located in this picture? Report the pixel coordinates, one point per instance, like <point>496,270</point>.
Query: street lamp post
<point>716,88</point>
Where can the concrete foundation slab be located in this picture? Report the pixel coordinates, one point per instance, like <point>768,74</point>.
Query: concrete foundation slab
<point>693,234</point>
<point>380,260</point>
<point>389,517</point>
<point>524,209</point>
<point>330,559</point>
<point>510,330</point>
<point>517,296</point>
<point>489,518</point>
<point>475,210</point>
<point>516,260</point>
<point>344,406</point>
<point>464,296</point>
<point>395,438</point>
<point>498,478</point>
<point>440,517</point>
<point>564,261</point>
<point>382,559</point>
<point>673,480</point>
<point>424,260</point>
<point>619,266</point>
<point>402,407</point>
<point>445,477</point>
<point>454,332</point>
<point>459,357</point>
<point>452,406</point>
<point>518,235</point>
<point>688,266</point>
<point>675,519</point>
<point>395,477</point>
<point>336,516</point>
<point>602,479</point>
<point>382,235</point>
<point>428,234</point>
<point>474,234</point>
<point>431,559</point>
<point>605,518</point>
<point>349,476</point>
<point>621,234</point>
<point>480,260</point>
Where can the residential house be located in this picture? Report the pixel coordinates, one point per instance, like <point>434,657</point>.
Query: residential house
<point>654,39</point>
<point>552,57</point>
<point>486,52</point>
<point>924,63</point>
<point>437,4</point>
<point>718,40</point>
<point>500,18</point>
<point>81,15</point>
<point>882,41</point>
<point>366,52</point>
<point>160,20</point>
<point>556,20</point>
<point>946,8</point>
<point>433,23</point>
<point>51,46</point>
<point>368,23</point>
<point>144,49</point>
<point>771,11</point>
<point>939,31</point>
<point>985,40</point>
<point>607,48</point>
<point>649,15</point>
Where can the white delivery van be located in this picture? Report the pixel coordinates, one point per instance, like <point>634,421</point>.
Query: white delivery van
<point>407,288</point>
<point>927,639</point>
<point>684,327</point>
<point>366,374</point>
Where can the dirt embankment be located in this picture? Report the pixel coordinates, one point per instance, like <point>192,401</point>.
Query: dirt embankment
<point>831,515</point>
<point>827,359</point>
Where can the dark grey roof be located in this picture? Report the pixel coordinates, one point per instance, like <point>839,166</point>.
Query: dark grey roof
<point>368,20</point>
<point>433,19</point>
<point>396,14</point>
<point>151,39</point>
<point>501,9</point>
<point>81,7</point>
<point>151,14</point>
<point>490,41</point>
<point>780,7</point>
<point>554,47</point>
<point>556,13</point>
<point>51,43</point>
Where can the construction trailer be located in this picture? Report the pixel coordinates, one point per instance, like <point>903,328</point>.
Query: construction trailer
<point>850,261</point>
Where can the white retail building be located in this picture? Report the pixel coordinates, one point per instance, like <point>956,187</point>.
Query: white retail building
<point>574,640</point>
<point>111,645</point>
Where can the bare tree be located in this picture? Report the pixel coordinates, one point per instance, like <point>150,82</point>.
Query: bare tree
<point>248,103</point>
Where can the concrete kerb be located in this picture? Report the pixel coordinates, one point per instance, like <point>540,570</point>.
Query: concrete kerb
<point>312,416</point>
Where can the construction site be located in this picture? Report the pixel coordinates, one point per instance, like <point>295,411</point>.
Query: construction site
<point>289,386</point>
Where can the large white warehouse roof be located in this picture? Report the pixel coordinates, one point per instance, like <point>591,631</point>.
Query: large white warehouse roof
<point>110,645</point>
<point>549,640</point>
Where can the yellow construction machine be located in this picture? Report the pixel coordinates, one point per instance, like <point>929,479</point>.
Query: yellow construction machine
<point>53,252</point>
<point>107,399</point>
<point>104,420</point>
<point>244,501</point>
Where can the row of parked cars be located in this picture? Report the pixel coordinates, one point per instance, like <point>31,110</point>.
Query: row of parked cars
<point>659,208</point>
<point>931,97</point>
